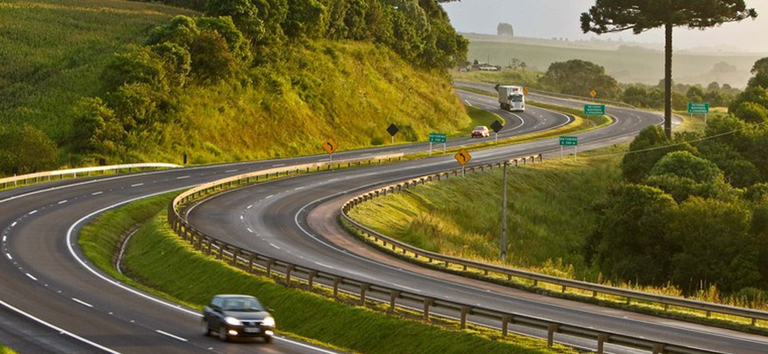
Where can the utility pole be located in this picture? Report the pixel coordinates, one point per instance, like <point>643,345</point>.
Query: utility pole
<point>504,215</point>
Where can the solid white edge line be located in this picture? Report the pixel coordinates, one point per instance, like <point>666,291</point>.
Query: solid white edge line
<point>81,302</point>
<point>70,233</point>
<point>171,335</point>
<point>57,329</point>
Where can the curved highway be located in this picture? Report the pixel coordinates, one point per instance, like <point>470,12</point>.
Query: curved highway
<point>53,301</point>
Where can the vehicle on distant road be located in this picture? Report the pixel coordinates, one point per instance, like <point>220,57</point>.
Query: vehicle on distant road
<point>238,316</point>
<point>511,98</point>
<point>481,131</point>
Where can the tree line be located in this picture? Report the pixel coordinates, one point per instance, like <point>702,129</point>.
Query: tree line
<point>692,210</point>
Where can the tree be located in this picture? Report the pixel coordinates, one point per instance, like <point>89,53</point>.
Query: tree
<point>579,77</point>
<point>641,15</point>
<point>505,29</point>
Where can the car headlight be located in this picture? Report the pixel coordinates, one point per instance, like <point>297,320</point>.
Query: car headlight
<point>232,321</point>
<point>269,321</point>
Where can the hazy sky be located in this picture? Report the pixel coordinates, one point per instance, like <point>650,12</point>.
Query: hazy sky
<point>560,18</point>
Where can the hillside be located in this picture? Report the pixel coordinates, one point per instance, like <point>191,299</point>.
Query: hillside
<point>628,63</point>
<point>90,81</point>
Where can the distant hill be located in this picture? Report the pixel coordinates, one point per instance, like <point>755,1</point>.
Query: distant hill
<point>627,62</point>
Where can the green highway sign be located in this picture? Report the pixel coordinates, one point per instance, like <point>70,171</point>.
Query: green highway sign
<point>569,140</point>
<point>437,138</point>
<point>594,109</point>
<point>694,107</point>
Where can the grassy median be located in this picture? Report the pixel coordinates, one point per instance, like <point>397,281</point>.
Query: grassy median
<point>156,257</point>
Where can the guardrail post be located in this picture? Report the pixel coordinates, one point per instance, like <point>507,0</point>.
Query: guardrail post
<point>464,312</point>
<point>250,263</point>
<point>505,319</point>
<point>288,270</point>
<point>551,329</point>
<point>235,254</point>
<point>601,339</point>
<point>393,295</point>
<point>311,278</point>
<point>363,289</point>
<point>427,303</point>
<point>336,282</point>
<point>270,263</point>
<point>658,349</point>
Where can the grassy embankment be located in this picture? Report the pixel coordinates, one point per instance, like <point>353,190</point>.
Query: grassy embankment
<point>6,350</point>
<point>350,91</point>
<point>549,218</point>
<point>155,253</point>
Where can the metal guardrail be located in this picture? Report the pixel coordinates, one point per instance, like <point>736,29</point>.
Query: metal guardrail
<point>50,175</point>
<point>629,295</point>
<point>293,274</point>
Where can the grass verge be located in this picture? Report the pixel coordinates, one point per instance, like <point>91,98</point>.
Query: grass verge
<point>155,254</point>
<point>6,350</point>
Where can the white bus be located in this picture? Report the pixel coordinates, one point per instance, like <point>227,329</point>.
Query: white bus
<point>511,98</point>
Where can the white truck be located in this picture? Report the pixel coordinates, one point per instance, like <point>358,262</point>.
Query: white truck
<point>511,98</point>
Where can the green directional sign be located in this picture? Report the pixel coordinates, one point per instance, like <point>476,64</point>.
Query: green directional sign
<point>594,109</point>
<point>569,140</point>
<point>437,137</point>
<point>694,107</point>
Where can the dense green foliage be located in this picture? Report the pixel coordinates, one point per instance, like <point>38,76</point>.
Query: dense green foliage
<point>6,350</point>
<point>579,77</point>
<point>155,254</point>
<point>252,79</point>
<point>701,219</point>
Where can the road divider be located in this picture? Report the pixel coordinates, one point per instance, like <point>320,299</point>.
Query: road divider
<point>393,298</point>
<point>47,176</point>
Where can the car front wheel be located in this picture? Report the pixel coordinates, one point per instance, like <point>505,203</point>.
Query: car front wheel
<point>206,329</point>
<point>223,334</point>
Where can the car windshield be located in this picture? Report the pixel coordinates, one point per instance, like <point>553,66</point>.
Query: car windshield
<point>480,128</point>
<point>242,304</point>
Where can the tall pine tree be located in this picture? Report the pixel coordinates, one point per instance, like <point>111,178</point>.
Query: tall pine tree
<point>641,15</point>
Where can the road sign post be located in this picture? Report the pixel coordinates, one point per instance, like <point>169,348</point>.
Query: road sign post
<point>496,126</point>
<point>698,108</point>
<point>462,157</point>
<point>569,141</point>
<point>594,109</point>
<point>330,147</point>
<point>437,138</point>
<point>392,130</point>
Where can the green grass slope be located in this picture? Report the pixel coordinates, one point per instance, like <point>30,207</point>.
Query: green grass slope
<point>155,254</point>
<point>53,51</point>
<point>548,216</point>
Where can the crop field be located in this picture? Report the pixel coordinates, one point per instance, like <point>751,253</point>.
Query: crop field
<point>627,63</point>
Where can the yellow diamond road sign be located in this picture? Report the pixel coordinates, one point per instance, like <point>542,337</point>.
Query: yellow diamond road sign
<point>593,93</point>
<point>525,91</point>
<point>462,157</point>
<point>330,145</point>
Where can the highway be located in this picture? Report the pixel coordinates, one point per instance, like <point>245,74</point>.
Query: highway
<point>53,301</point>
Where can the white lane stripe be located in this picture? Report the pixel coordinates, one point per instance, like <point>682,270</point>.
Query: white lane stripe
<point>137,185</point>
<point>249,230</point>
<point>278,165</point>
<point>273,245</point>
<point>183,177</point>
<point>62,202</point>
<point>97,193</point>
<point>250,206</point>
<point>9,256</point>
<point>269,196</point>
<point>242,217</point>
<point>5,238</point>
<point>32,212</point>
<point>31,277</point>
<point>298,188</point>
<point>230,171</point>
<point>81,302</point>
<point>171,335</point>
<point>57,329</point>
<point>324,265</point>
<point>14,224</point>
<point>469,103</point>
